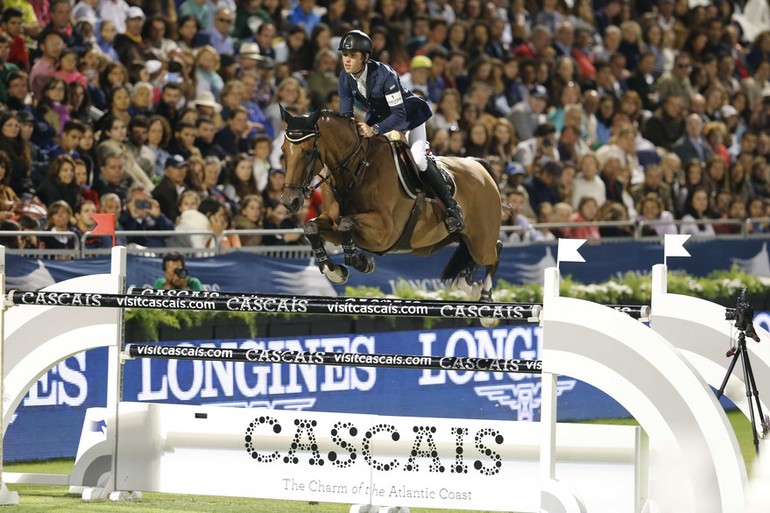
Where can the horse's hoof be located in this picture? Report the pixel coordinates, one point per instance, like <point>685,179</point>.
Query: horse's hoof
<point>339,275</point>
<point>489,323</point>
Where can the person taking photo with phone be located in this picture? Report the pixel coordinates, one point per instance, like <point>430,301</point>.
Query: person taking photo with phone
<point>175,275</point>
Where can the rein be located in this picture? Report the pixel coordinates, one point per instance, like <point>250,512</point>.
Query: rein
<point>344,167</point>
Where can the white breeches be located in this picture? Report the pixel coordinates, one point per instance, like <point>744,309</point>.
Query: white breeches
<point>418,142</point>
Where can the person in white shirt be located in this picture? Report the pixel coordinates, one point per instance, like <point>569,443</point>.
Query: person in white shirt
<point>587,181</point>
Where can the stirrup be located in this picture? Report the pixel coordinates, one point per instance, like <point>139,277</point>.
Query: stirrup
<point>454,220</point>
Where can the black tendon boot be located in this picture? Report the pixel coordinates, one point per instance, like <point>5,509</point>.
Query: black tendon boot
<point>454,216</point>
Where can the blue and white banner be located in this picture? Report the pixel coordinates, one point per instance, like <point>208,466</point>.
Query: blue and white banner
<point>55,407</point>
<point>243,272</point>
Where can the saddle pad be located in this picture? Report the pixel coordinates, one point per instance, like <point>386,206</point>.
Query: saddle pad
<point>410,178</point>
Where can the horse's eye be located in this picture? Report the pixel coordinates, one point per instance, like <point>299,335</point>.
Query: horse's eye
<point>307,153</point>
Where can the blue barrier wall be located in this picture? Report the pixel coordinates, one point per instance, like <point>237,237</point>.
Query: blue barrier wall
<point>243,272</point>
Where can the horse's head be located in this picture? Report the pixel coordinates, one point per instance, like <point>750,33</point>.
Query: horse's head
<point>300,148</point>
<point>308,146</point>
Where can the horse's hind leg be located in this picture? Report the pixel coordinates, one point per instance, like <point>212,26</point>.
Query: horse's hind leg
<point>337,274</point>
<point>486,291</point>
<point>353,257</point>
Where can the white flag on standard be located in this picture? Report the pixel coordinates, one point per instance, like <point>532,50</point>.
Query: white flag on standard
<point>568,251</point>
<point>673,246</point>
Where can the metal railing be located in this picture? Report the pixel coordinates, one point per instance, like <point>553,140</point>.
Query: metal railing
<point>637,229</point>
<point>180,241</point>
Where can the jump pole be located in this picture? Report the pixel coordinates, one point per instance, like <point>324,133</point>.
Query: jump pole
<point>393,361</point>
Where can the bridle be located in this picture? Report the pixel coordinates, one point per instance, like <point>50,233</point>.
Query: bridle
<point>295,136</point>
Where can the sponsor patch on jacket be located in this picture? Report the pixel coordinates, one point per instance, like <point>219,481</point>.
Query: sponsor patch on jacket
<point>394,99</point>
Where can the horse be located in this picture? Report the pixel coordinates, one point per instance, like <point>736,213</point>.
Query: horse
<point>367,207</point>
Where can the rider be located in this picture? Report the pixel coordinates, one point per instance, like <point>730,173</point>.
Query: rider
<point>390,107</point>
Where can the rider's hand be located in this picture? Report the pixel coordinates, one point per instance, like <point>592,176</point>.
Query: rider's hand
<point>365,130</point>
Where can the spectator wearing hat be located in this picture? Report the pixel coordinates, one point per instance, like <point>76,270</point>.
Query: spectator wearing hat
<point>528,114</point>
<point>207,107</point>
<point>248,56</point>
<point>61,16</point>
<point>171,187</point>
<point>417,76</point>
<point>129,44</point>
<point>11,23</point>
<point>538,149</point>
<point>219,33</point>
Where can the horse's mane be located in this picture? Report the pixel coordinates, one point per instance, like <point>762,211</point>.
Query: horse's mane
<point>334,114</point>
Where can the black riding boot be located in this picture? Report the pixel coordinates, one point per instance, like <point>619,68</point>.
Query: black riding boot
<point>454,216</point>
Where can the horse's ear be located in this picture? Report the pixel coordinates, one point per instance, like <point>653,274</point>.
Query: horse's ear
<point>314,116</point>
<point>285,115</point>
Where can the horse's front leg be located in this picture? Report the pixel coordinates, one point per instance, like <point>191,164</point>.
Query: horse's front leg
<point>353,257</point>
<point>337,274</point>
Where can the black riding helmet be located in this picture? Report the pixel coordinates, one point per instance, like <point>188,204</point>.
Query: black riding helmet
<point>355,41</point>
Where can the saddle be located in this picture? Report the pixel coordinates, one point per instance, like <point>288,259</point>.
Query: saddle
<point>410,176</point>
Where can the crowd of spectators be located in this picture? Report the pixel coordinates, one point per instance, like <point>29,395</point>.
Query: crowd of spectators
<point>166,113</point>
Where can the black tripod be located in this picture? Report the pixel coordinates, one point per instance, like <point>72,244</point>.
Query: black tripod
<point>752,393</point>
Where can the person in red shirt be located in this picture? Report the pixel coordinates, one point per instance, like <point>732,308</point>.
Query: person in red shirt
<point>11,26</point>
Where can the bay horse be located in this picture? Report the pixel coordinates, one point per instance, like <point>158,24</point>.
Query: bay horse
<point>366,205</point>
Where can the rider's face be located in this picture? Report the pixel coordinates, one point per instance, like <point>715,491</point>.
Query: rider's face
<point>353,62</point>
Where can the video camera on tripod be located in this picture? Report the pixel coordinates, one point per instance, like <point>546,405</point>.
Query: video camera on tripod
<point>743,315</point>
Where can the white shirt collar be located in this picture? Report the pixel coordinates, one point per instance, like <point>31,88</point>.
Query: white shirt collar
<point>361,81</point>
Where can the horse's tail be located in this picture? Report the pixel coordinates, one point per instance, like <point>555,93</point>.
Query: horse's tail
<point>460,261</point>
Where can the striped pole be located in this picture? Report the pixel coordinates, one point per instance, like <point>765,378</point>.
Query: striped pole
<point>395,361</point>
